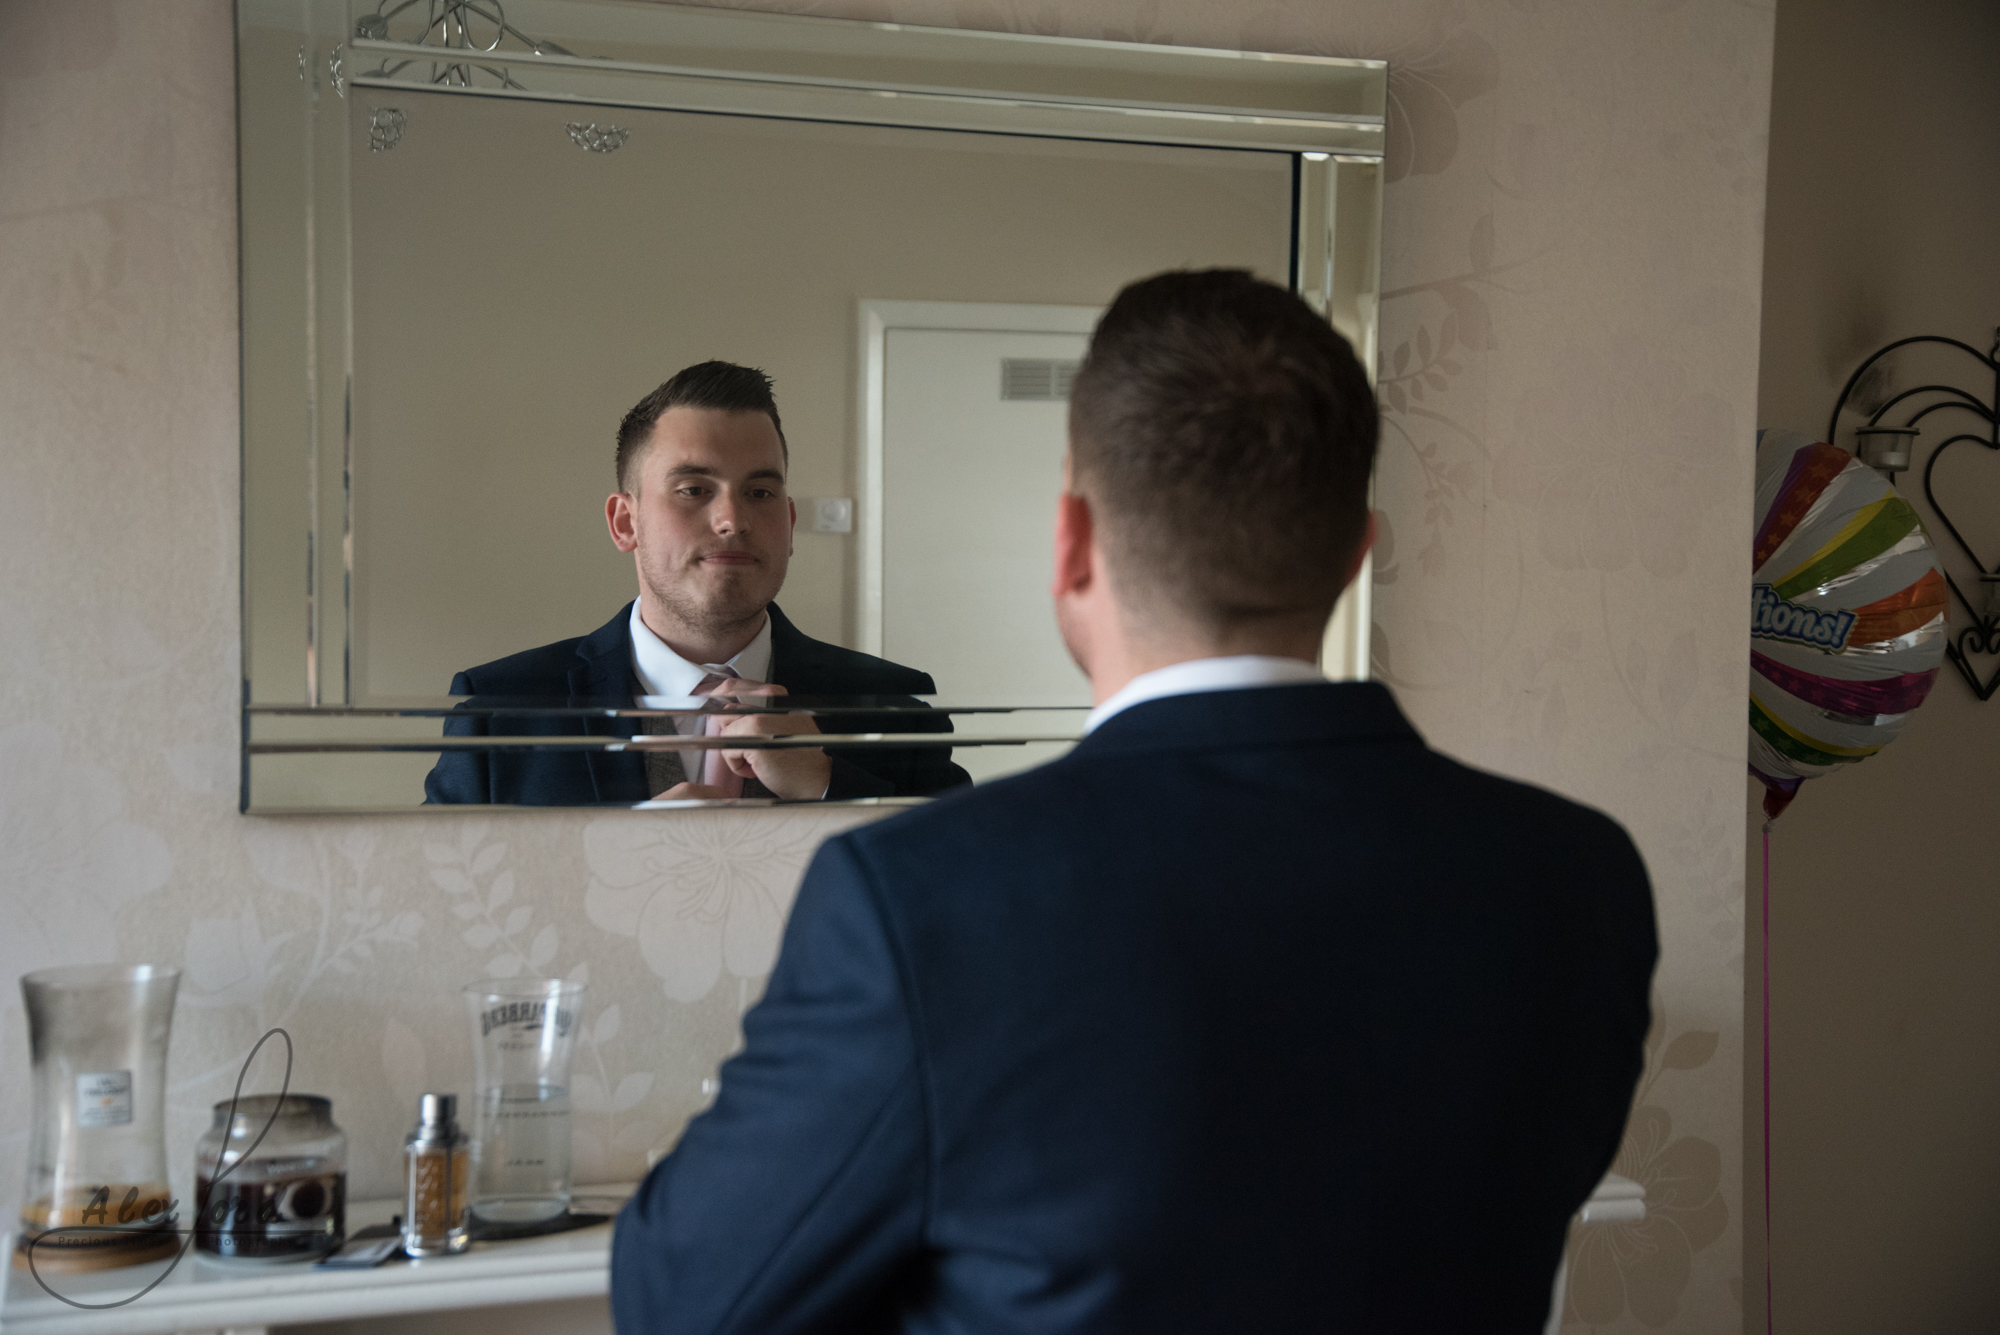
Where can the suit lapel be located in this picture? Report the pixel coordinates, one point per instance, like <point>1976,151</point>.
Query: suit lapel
<point>797,662</point>
<point>603,672</point>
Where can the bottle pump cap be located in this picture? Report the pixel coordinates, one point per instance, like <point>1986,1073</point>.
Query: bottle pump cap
<point>437,1110</point>
<point>437,1122</point>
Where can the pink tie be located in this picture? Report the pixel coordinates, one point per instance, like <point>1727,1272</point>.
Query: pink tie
<point>715,771</point>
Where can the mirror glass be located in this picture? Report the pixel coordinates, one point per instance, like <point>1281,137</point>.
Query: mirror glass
<point>463,266</point>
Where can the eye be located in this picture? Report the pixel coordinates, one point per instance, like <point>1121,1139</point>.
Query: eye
<point>692,490</point>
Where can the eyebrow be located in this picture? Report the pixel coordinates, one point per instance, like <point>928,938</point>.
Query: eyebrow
<point>704,470</point>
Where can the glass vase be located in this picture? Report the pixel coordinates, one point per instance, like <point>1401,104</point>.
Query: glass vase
<point>523,1032</point>
<point>96,1193</point>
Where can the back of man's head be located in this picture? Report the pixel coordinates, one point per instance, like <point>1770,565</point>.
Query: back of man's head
<point>1223,434</point>
<point>723,386</point>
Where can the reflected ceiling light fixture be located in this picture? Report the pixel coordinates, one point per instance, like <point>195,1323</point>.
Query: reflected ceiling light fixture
<point>1887,441</point>
<point>472,27</point>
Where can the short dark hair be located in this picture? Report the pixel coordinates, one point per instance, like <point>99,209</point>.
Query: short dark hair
<point>722,385</point>
<point>1223,433</point>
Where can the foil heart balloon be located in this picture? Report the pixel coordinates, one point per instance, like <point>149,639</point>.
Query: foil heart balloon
<point>1847,614</point>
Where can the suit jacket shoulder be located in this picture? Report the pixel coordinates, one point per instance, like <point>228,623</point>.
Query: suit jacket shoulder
<point>539,671</point>
<point>552,669</point>
<point>1238,1017</point>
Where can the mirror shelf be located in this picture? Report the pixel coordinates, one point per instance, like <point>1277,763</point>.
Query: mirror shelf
<point>859,740</point>
<point>337,808</point>
<point>646,706</point>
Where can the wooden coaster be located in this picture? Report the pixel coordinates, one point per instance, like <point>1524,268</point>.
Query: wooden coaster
<point>75,1253</point>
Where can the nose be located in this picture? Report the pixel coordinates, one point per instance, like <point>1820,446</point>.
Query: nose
<point>727,516</point>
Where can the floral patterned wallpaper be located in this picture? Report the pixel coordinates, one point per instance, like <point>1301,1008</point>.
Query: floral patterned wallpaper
<point>1570,319</point>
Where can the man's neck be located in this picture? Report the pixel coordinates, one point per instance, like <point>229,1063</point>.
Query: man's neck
<point>700,645</point>
<point>1121,658</point>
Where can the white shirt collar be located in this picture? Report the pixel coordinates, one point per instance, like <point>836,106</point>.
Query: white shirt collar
<point>661,671</point>
<point>1205,674</point>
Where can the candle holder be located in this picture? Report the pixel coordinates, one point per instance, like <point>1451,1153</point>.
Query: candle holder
<point>97,1194</point>
<point>1886,449</point>
<point>282,1193</point>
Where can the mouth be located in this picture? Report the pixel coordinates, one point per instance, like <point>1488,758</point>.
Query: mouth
<point>729,559</point>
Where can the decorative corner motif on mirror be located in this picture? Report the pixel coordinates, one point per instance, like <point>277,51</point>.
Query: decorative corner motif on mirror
<point>385,129</point>
<point>594,138</point>
<point>471,27</point>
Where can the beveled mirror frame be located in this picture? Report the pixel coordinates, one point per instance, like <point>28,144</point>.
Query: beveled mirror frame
<point>1325,112</point>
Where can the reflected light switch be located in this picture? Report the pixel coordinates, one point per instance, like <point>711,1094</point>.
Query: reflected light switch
<point>833,514</point>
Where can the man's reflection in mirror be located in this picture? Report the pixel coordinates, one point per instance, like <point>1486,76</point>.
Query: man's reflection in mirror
<point>702,507</point>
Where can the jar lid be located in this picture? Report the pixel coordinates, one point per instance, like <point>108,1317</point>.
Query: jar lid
<point>255,1111</point>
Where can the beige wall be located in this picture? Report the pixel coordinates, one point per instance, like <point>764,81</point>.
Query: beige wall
<point>1572,245</point>
<point>1884,918</point>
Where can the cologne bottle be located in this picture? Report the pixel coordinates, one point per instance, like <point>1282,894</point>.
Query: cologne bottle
<point>438,1161</point>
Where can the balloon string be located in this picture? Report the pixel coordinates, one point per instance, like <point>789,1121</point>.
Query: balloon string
<point>1767,1078</point>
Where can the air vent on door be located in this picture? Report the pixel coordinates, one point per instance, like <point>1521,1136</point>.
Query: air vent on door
<point>1036,378</point>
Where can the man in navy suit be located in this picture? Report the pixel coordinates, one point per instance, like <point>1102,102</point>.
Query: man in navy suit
<point>1252,1013</point>
<point>702,509</point>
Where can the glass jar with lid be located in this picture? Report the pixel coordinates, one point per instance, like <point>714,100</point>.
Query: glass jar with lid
<point>283,1200</point>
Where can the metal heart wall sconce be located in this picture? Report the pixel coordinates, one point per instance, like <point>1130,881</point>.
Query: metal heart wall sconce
<point>1890,445</point>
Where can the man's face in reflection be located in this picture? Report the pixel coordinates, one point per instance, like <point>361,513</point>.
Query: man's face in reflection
<point>708,519</point>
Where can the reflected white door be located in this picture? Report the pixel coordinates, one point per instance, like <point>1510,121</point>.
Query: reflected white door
<point>973,433</point>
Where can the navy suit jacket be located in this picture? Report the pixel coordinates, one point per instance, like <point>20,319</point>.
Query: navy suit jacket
<point>597,669</point>
<point>1252,1013</point>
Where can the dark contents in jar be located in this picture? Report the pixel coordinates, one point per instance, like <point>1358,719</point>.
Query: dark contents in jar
<point>273,1218</point>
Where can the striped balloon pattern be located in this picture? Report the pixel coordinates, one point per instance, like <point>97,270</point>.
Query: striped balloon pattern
<point>1847,625</point>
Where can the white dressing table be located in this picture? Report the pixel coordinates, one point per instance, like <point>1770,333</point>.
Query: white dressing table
<point>567,1269</point>
<point>240,1299</point>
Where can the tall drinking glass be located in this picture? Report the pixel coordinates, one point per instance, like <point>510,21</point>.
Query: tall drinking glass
<point>97,1159</point>
<point>523,1031</point>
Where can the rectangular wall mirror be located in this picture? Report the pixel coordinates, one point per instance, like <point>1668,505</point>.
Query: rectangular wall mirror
<point>475,234</point>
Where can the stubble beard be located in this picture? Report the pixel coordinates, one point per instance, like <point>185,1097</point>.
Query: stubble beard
<point>714,604</point>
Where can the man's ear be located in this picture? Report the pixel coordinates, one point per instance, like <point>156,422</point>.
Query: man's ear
<point>619,518</point>
<point>1360,553</point>
<point>792,533</point>
<point>1076,566</point>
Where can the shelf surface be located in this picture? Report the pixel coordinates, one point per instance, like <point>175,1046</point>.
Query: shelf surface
<point>207,1295</point>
